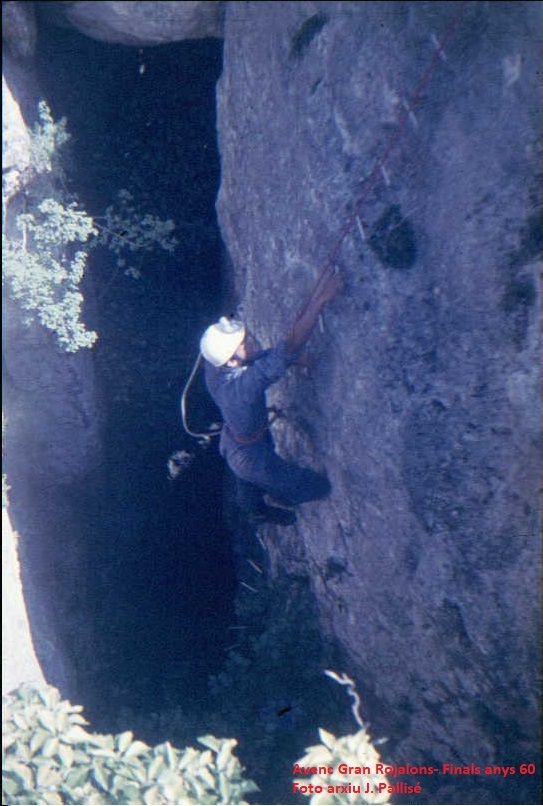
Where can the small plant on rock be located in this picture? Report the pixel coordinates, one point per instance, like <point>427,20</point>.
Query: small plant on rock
<point>48,137</point>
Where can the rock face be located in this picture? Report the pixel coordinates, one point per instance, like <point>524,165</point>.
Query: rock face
<point>141,23</point>
<point>52,447</point>
<point>15,144</point>
<point>42,384</point>
<point>52,441</point>
<point>19,662</point>
<point>423,401</point>
<point>19,30</point>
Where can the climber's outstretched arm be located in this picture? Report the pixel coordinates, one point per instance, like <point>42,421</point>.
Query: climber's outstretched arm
<point>328,287</point>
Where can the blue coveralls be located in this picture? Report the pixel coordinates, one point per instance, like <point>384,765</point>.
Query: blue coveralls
<point>247,444</point>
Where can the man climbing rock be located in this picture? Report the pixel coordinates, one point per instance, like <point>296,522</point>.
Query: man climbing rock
<point>237,376</point>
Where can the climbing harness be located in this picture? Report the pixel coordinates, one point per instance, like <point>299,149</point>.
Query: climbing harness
<point>204,437</point>
<point>273,414</point>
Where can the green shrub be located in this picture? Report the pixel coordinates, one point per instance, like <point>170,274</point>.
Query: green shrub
<point>49,757</point>
<point>356,751</point>
<point>44,259</point>
<point>45,267</point>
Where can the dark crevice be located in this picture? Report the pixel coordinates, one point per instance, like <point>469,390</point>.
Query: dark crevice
<point>143,602</point>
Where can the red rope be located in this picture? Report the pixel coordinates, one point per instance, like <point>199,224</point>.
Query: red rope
<point>371,180</point>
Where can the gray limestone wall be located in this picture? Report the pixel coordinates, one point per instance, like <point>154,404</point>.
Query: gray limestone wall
<point>140,22</point>
<point>424,395</point>
<point>52,440</point>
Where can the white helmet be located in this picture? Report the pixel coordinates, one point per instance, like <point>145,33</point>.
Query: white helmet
<point>221,340</point>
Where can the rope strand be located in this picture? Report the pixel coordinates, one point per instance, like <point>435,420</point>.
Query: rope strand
<point>201,437</point>
<point>371,180</point>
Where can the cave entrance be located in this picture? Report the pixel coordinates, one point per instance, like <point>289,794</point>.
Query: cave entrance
<point>160,580</point>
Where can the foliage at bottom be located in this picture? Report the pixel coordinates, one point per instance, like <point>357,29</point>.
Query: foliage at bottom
<point>49,757</point>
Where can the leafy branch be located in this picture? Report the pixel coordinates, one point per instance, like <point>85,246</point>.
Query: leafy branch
<point>44,267</point>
